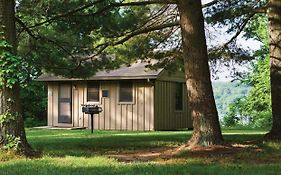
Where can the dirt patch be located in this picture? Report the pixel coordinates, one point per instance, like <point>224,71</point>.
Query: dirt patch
<point>227,153</point>
<point>217,150</point>
<point>144,155</point>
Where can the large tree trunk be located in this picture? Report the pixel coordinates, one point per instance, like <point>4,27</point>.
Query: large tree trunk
<point>10,103</point>
<point>206,128</point>
<point>274,18</point>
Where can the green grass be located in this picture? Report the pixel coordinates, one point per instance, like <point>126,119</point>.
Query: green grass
<point>83,143</point>
<point>79,152</point>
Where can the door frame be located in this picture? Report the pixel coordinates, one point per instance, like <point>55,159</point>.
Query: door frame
<point>70,103</point>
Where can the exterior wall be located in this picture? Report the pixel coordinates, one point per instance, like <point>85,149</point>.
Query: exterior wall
<point>166,117</point>
<point>52,104</point>
<point>115,116</point>
<point>78,98</point>
<point>132,116</point>
<point>177,76</point>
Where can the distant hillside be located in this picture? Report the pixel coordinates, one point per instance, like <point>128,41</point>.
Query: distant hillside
<point>227,92</point>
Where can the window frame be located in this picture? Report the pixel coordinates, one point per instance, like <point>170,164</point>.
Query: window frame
<point>103,90</point>
<point>133,93</point>
<point>182,97</point>
<point>99,92</point>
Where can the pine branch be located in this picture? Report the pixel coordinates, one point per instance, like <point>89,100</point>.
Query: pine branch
<point>240,29</point>
<point>260,10</point>
<point>100,48</point>
<point>108,7</point>
<point>210,3</point>
<point>113,5</point>
<point>67,13</point>
<point>37,37</point>
<point>22,24</point>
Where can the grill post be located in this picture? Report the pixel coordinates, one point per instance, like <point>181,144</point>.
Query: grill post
<point>92,123</point>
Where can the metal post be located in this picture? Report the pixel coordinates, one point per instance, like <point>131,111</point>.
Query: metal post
<point>92,123</point>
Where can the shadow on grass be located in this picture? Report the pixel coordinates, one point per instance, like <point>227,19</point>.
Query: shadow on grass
<point>81,143</point>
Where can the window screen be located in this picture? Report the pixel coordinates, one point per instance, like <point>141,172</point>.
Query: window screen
<point>93,92</point>
<point>126,92</point>
<point>105,93</point>
<point>179,97</point>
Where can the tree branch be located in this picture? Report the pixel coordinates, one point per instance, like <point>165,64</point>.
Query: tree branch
<point>260,10</point>
<point>103,46</point>
<point>240,29</point>
<point>67,13</point>
<point>210,3</point>
<point>110,6</point>
<point>21,23</point>
<point>30,33</point>
<point>146,2</point>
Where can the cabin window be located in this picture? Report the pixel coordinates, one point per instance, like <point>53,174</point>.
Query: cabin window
<point>105,93</point>
<point>179,97</point>
<point>125,92</point>
<point>93,92</point>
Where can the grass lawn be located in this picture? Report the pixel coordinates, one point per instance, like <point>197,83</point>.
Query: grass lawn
<point>111,152</point>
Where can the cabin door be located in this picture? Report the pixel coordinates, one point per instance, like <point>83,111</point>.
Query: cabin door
<point>65,103</point>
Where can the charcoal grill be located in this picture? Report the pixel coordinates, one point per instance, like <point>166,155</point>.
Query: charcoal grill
<point>91,110</point>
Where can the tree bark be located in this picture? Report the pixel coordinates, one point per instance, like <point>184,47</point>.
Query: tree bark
<point>9,97</point>
<point>206,128</point>
<point>274,24</point>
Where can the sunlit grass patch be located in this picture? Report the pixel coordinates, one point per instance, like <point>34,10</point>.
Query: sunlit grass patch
<point>104,166</point>
<point>8,155</point>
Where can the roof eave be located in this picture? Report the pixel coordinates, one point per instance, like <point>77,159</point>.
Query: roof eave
<point>97,78</point>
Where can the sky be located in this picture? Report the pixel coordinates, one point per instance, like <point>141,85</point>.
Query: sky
<point>219,36</point>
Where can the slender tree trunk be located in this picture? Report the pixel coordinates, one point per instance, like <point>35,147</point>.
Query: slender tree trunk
<point>200,94</point>
<point>9,97</point>
<point>274,18</point>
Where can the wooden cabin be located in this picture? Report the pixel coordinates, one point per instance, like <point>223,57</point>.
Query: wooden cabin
<point>132,98</point>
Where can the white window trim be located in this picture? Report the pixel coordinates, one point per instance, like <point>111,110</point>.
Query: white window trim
<point>93,102</point>
<point>118,95</point>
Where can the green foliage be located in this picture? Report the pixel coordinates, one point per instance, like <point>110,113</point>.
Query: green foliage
<point>9,66</point>
<point>225,93</point>
<point>7,118</point>
<point>34,101</point>
<point>256,29</point>
<point>100,35</point>
<point>34,121</point>
<point>257,105</point>
<point>11,142</point>
<point>76,36</point>
<point>230,119</point>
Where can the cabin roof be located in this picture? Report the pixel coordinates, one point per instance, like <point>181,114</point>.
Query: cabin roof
<point>137,70</point>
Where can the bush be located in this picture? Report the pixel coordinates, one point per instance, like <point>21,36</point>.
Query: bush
<point>34,100</point>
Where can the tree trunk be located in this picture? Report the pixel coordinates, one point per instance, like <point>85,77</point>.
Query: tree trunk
<point>9,97</point>
<point>274,18</point>
<point>206,128</point>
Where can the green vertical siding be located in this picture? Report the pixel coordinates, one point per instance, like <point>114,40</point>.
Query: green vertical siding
<point>166,117</point>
